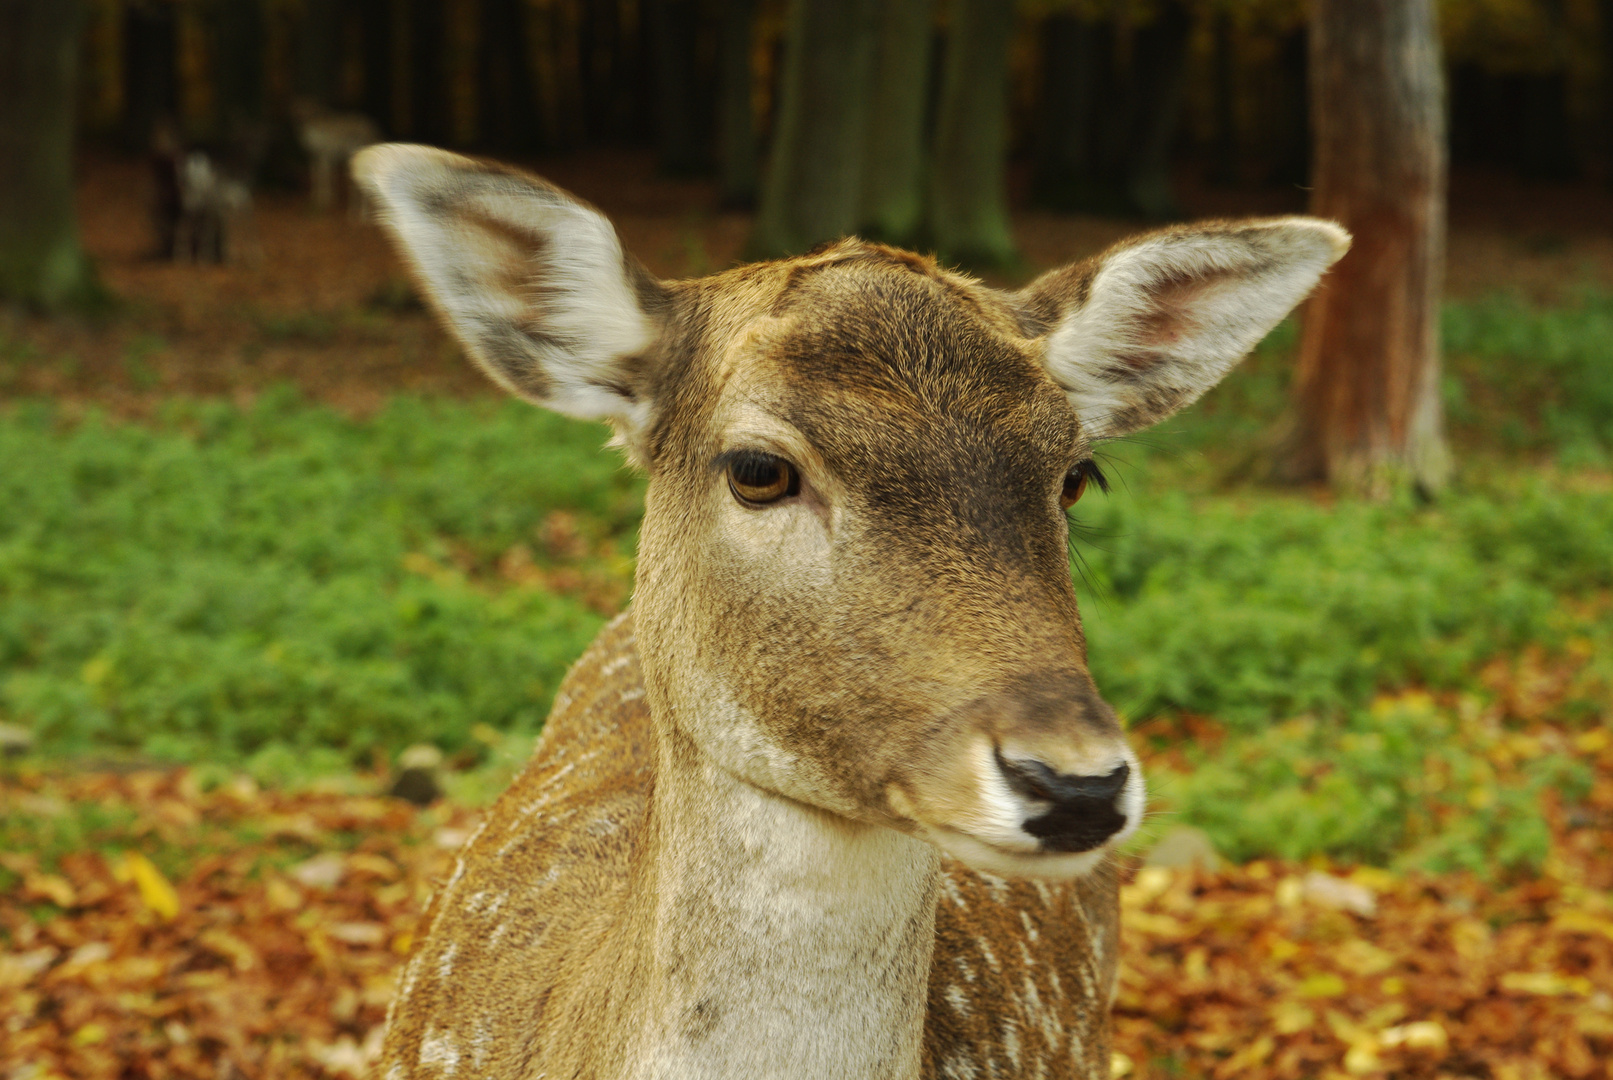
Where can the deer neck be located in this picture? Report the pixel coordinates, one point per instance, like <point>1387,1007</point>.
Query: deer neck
<point>781,940</point>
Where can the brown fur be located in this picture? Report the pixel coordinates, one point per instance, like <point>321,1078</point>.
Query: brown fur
<point>724,859</point>
<point>1020,979</point>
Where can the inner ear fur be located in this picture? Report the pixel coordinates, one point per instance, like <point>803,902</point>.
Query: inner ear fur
<point>1145,328</point>
<point>532,281</point>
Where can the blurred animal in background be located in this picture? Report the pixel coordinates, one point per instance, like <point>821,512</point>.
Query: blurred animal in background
<point>202,210</point>
<point>330,139</point>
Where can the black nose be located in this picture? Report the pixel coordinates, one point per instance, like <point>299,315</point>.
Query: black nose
<point>1083,813</point>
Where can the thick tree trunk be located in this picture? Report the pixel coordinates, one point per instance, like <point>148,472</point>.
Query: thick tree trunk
<point>1366,409</point>
<point>893,153</point>
<point>814,181</point>
<point>41,261</point>
<point>737,148</point>
<point>969,193</point>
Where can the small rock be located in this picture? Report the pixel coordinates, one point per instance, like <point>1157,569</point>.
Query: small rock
<point>1184,846</point>
<point>323,871</point>
<point>1341,895</point>
<point>420,756</point>
<point>416,781</point>
<point>15,741</point>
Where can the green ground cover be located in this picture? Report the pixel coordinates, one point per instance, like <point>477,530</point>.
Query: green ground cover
<point>282,589</point>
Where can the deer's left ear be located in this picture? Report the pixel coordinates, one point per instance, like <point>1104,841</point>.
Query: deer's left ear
<point>1144,329</point>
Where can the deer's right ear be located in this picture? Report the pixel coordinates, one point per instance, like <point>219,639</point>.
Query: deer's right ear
<point>532,282</point>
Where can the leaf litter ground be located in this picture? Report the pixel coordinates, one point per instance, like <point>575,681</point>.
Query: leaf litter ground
<point>153,927</point>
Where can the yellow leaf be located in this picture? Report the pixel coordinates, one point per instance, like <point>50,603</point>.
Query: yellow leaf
<point>89,1034</point>
<point>1429,1035</point>
<point>1593,741</point>
<point>1362,1058</point>
<point>1119,1065</point>
<point>1360,957</point>
<point>1545,983</point>
<point>155,891</point>
<point>1283,949</point>
<point>1160,926</point>
<point>1288,1017</point>
<point>53,887</point>
<point>1324,984</point>
<point>402,943</point>
<point>241,956</point>
<point>1581,922</point>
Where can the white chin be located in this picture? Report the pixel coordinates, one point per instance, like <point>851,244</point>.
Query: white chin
<point>990,859</point>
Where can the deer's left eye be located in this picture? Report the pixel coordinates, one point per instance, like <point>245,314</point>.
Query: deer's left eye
<point>757,479</point>
<point>1076,481</point>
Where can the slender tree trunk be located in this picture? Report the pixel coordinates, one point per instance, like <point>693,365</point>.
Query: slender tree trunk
<point>319,51</point>
<point>1086,110</point>
<point>41,261</point>
<point>506,91</point>
<point>1366,409</point>
<point>1293,152</point>
<point>737,147</point>
<point>1224,160</point>
<point>893,153</point>
<point>969,196</point>
<point>814,181</point>
<point>150,72</point>
<point>238,75</point>
<point>1158,77</point>
<point>428,73</point>
<point>680,123</point>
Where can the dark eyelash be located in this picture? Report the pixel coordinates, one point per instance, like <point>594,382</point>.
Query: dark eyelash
<point>1095,474</point>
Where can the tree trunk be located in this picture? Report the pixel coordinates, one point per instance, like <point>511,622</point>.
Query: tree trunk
<point>814,181</point>
<point>506,95</point>
<point>1158,77</point>
<point>41,261</point>
<point>681,127</point>
<point>238,74</point>
<point>150,72</point>
<point>969,196</point>
<point>1083,147</point>
<point>1224,153</point>
<point>736,124</point>
<point>428,73</point>
<point>893,152</point>
<point>1366,409</point>
<point>319,53</point>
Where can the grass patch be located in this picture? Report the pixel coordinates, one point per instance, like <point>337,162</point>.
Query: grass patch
<point>289,591</point>
<point>282,580</point>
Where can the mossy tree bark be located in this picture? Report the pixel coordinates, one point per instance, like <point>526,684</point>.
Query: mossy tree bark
<point>813,188</point>
<point>1365,408</point>
<point>893,155</point>
<point>969,174</point>
<point>41,261</point>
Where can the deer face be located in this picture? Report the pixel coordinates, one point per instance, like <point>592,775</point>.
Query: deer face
<point>853,586</point>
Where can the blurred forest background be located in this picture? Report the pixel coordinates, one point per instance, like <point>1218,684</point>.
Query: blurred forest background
<point>271,549</point>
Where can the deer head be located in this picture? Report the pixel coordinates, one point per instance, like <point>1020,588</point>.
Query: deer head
<point>853,584</point>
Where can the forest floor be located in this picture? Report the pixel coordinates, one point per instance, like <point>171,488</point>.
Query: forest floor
<point>186,922</point>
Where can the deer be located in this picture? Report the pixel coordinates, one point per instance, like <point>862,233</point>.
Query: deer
<point>836,796</point>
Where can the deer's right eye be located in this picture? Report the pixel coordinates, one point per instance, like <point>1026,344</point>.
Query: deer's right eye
<point>757,479</point>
